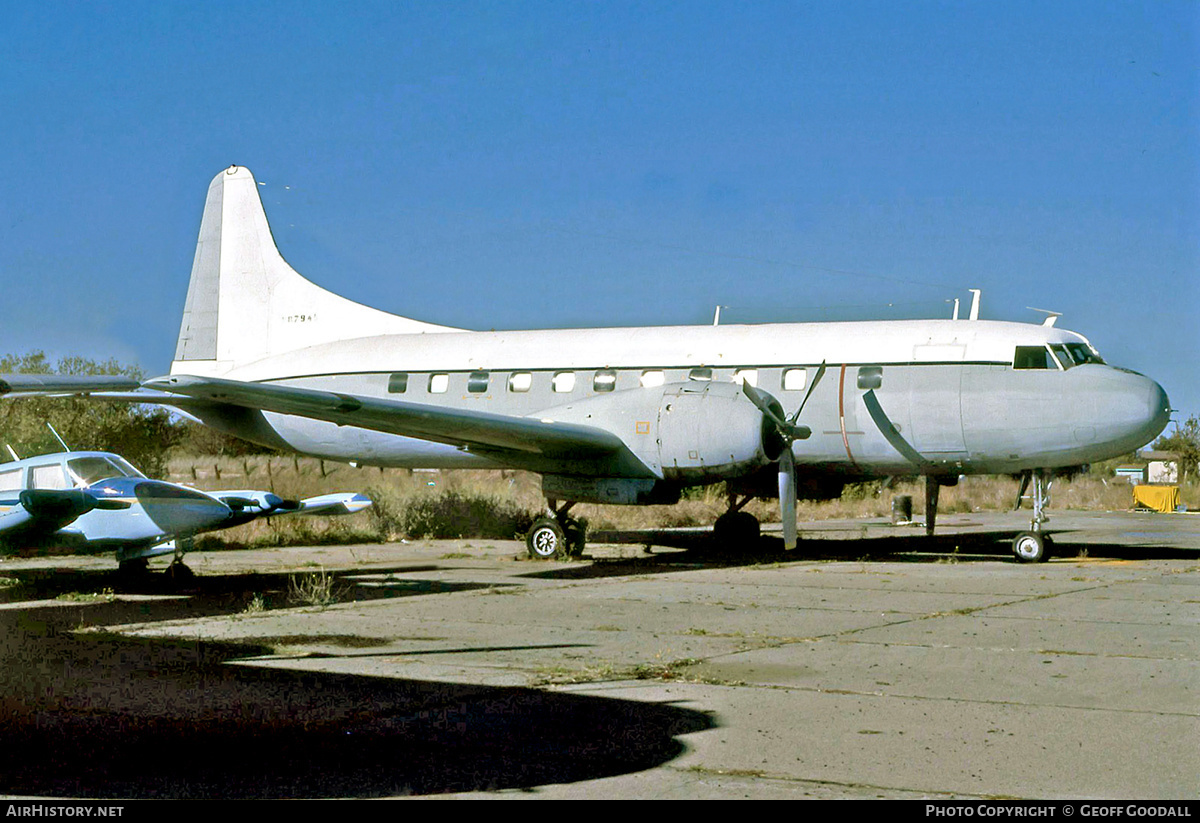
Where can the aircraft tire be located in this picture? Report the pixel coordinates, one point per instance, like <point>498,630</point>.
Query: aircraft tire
<point>736,529</point>
<point>546,540</point>
<point>1032,547</point>
<point>134,568</point>
<point>178,573</point>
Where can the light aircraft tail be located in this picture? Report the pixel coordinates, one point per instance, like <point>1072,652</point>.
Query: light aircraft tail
<point>244,301</point>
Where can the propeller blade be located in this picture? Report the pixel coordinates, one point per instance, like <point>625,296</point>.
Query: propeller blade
<point>787,497</point>
<point>808,394</point>
<point>762,401</point>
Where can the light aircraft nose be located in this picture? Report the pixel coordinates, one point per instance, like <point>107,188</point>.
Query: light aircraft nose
<point>178,510</point>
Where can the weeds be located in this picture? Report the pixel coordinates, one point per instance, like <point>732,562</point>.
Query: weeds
<point>312,589</point>
<point>105,596</point>
<point>501,504</point>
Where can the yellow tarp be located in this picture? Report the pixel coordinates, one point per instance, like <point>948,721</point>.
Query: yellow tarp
<point>1158,498</point>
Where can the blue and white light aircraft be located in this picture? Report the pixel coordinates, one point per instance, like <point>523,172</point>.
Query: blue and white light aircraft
<point>98,502</point>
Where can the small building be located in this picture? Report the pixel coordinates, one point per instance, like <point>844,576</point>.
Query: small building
<point>1133,474</point>
<point>1161,466</point>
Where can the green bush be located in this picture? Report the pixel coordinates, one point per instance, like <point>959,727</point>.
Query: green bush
<point>448,514</point>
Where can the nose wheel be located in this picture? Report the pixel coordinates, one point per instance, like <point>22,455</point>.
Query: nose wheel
<point>1033,546</point>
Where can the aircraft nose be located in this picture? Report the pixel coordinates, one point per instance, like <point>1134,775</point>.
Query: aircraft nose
<point>1143,409</point>
<point>180,511</point>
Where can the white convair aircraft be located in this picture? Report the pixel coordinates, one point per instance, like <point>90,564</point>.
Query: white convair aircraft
<point>632,415</point>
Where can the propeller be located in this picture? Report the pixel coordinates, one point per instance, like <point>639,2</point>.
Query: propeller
<point>788,432</point>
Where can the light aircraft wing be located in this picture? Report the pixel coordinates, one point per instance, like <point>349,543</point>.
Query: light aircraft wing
<point>44,511</point>
<point>465,428</point>
<point>267,504</point>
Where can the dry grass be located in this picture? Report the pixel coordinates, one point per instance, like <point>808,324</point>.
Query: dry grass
<point>419,504</point>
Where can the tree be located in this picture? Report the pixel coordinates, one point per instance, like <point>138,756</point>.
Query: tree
<point>1185,442</point>
<point>142,434</point>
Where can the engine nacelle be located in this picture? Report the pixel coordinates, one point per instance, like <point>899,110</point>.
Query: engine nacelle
<point>711,431</point>
<point>685,433</point>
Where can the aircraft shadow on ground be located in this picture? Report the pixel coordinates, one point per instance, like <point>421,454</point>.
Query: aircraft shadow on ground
<point>700,549</point>
<point>213,594</point>
<point>105,716</point>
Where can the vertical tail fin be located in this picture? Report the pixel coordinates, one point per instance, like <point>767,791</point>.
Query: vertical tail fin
<point>245,302</point>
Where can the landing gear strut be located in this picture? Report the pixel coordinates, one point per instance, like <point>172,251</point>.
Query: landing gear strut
<point>1033,546</point>
<point>556,535</point>
<point>932,490</point>
<point>736,527</point>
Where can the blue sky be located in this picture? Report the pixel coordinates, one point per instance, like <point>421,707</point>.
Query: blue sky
<point>525,165</point>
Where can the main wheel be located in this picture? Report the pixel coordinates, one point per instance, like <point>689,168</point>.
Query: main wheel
<point>1032,547</point>
<point>179,574</point>
<point>546,540</point>
<point>736,529</point>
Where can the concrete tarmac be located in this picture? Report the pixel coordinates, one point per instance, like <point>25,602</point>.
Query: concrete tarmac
<point>869,663</point>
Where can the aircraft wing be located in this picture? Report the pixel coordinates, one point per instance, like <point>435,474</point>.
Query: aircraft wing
<point>64,384</point>
<point>465,428</point>
<point>334,504</point>
<point>267,504</point>
<point>44,511</point>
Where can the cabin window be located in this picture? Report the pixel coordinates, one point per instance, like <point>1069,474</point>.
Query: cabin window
<point>49,477</point>
<point>520,381</point>
<point>653,377</point>
<point>563,381</point>
<point>870,377</point>
<point>10,481</point>
<point>438,383</point>
<point>605,380</point>
<point>1033,357</point>
<point>748,376</point>
<point>703,373</point>
<point>477,382</point>
<point>794,379</point>
<point>398,382</point>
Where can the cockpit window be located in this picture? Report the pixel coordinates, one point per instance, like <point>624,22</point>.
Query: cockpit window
<point>1063,356</point>
<point>1033,357</point>
<point>1082,353</point>
<point>85,471</point>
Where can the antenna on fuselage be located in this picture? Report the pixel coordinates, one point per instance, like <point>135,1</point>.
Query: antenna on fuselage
<point>1051,316</point>
<point>66,448</point>
<point>974,303</point>
<point>717,316</point>
<point>955,317</point>
<point>10,451</point>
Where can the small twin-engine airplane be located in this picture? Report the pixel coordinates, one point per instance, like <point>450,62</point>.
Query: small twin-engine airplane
<point>98,502</point>
<point>634,415</point>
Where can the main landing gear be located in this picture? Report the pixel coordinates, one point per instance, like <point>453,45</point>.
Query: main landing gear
<point>1033,546</point>
<point>736,527</point>
<point>556,535</point>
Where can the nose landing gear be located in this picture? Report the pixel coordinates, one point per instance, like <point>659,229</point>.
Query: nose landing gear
<point>1033,546</point>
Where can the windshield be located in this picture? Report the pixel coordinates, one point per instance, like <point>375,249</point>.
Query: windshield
<point>85,471</point>
<point>1074,354</point>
